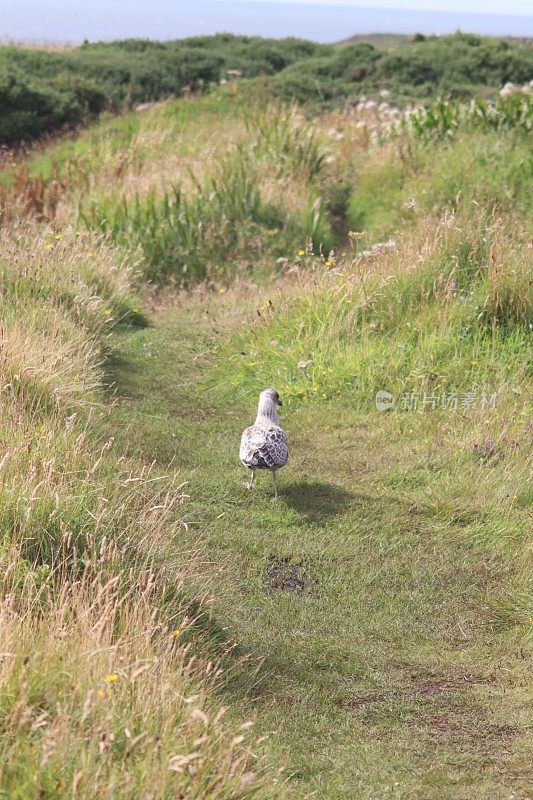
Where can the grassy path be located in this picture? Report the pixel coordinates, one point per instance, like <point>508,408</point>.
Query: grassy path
<point>359,604</point>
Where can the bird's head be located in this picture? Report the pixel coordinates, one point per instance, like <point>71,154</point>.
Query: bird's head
<point>269,400</point>
<point>271,396</point>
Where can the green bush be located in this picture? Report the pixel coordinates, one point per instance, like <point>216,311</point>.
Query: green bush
<point>42,91</point>
<point>450,62</point>
<point>29,107</point>
<point>329,78</point>
<point>457,66</point>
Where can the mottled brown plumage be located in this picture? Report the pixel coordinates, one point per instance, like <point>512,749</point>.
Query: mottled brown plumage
<point>264,444</point>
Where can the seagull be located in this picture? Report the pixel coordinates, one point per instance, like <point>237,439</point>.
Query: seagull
<point>264,445</point>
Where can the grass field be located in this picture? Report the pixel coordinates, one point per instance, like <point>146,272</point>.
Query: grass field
<point>166,633</point>
<point>379,601</point>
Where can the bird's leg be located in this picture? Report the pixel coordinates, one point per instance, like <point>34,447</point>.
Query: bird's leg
<point>275,485</point>
<point>250,484</point>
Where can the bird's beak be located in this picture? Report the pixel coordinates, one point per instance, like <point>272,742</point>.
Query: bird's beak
<point>279,402</point>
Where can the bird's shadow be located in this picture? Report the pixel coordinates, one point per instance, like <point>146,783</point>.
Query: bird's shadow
<point>317,502</point>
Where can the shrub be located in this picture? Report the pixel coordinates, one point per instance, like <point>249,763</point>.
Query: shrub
<point>58,88</point>
<point>28,107</point>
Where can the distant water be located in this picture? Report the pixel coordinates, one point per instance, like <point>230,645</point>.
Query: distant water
<point>74,20</point>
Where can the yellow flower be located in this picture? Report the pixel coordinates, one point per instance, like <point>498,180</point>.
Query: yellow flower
<point>222,290</point>
<point>90,253</point>
<point>301,252</point>
<point>57,237</point>
<point>100,693</point>
<point>328,264</point>
<point>111,678</point>
<point>175,633</point>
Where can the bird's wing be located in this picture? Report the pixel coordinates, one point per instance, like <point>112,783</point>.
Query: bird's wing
<point>251,441</point>
<point>264,447</point>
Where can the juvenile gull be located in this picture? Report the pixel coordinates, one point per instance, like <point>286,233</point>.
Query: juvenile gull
<point>264,445</point>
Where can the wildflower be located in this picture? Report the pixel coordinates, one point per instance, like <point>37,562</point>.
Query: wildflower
<point>301,252</point>
<point>100,693</point>
<point>222,290</point>
<point>175,633</point>
<point>90,253</point>
<point>111,678</point>
<point>328,263</point>
<point>57,237</point>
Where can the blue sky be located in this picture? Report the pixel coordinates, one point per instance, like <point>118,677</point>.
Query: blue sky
<point>319,20</point>
<point>476,6</point>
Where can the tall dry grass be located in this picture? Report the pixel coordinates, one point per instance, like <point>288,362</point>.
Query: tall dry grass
<point>101,694</point>
<point>104,689</point>
<point>202,187</point>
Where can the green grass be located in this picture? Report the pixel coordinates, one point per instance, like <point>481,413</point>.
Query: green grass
<point>396,671</point>
<point>376,621</point>
<point>80,157</point>
<point>383,603</point>
<point>205,189</point>
<point>100,692</point>
<point>488,168</point>
<point>449,310</point>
